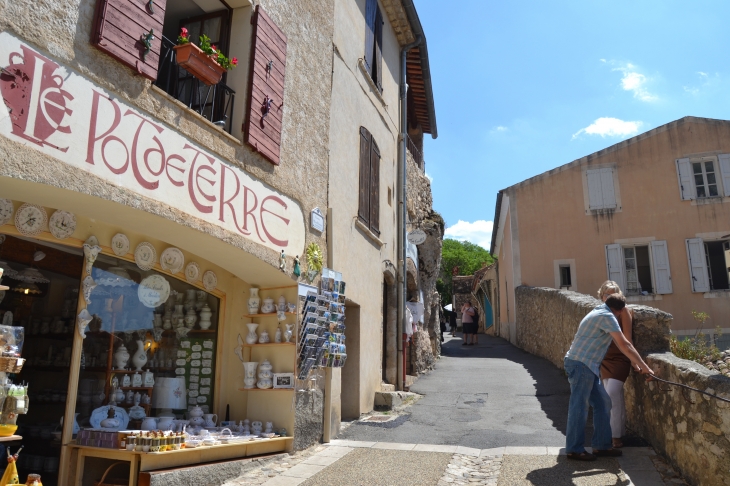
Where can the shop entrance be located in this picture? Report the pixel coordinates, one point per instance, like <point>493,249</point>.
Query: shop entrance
<point>351,386</point>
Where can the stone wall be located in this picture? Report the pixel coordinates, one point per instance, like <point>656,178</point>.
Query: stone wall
<point>690,429</point>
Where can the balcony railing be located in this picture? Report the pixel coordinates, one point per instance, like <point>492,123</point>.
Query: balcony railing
<point>214,103</point>
<point>417,155</point>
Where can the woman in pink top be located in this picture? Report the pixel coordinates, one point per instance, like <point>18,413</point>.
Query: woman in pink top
<point>467,324</point>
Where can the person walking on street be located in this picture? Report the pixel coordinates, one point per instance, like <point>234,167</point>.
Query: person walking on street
<point>467,318</point>
<point>582,364</point>
<point>616,367</point>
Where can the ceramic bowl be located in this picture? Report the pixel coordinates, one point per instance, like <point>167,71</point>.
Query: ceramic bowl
<point>267,436</point>
<point>192,444</point>
<point>8,430</point>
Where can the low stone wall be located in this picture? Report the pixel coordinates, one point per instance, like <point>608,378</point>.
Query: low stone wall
<point>690,429</point>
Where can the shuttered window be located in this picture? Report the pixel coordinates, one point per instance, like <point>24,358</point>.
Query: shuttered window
<point>640,268</point>
<point>369,195</point>
<point>130,31</point>
<point>601,194</point>
<point>704,177</point>
<point>698,265</point>
<point>262,129</point>
<point>374,42</point>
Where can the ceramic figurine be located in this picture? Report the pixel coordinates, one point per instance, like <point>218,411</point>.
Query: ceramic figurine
<point>157,334</point>
<point>239,349</point>
<point>140,356</point>
<point>264,337</point>
<point>282,262</point>
<point>277,336</point>
<point>82,320</point>
<point>249,374</point>
<point>291,307</point>
<point>205,314</point>
<point>251,337</point>
<point>268,306</point>
<point>246,427</point>
<point>269,428</point>
<point>91,251</point>
<point>297,269</point>
<point>254,301</point>
<point>256,427</point>
<point>288,332</point>
<point>121,357</point>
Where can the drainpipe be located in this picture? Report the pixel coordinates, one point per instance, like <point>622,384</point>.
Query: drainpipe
<point>401,375</point>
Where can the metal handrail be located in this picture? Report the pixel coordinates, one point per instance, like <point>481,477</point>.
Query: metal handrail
<point>417,155</point>
<point>214,103</point>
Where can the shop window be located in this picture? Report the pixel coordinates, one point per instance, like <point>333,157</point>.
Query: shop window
<point>150,348</point>
<point>710,264</point>
<point>374,42</point>
<point>640,269</point>
<point>44,284</point>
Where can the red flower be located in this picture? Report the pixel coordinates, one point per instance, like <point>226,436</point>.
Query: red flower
<point>234,61</point>
<point>183,32</point>
<point>215,49</point>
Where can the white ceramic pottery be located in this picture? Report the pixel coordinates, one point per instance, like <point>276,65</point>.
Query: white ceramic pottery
<point>265,375</point>
<point>149,423</point>
<point>277,336</point>
<point>140,357</point>
<point>251,337</point>
<point>256,427</point>
<point>196,412</point>
<point>254,301</point>
<point>157,321</point>
<point>282,304</point>
<point>190,318</point>
<point>148,379</point>
<point>269,428</point>
<point>205,314</point>
<point>189,299</point>
<point>249,374</point>
<point>210,421</point>
<point>288,332</point>
<point>164,423</point>
<point>268,306</point>
<point>121,356</point>
<point>264,337</point>
<point>137,381</point>
<point>178,315</point>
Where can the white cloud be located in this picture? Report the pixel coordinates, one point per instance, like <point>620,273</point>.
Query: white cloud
<point>705,82</point>
<point>430,179</point>
<point>479,232</point>
<point>610,127</point>
<point>635,82</point>
<point>498,129</point>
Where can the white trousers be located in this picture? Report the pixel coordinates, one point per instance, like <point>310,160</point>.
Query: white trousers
<point>615,390</point>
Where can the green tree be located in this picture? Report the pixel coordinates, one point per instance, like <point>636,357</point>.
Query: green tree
<point>463,255</point>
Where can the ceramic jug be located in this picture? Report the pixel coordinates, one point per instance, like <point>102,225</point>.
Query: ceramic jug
<point>209,420</point>
<point>288,332</point>
<point>254,301</point>
<point>121,356</point>
<point>140,357</point>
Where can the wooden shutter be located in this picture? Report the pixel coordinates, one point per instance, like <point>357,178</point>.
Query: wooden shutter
<point>371,7</point>
<point>119,27</point>
<point>262,129</point>
<point>724,160</point>
<point>615,264</point>
<point>378,71</point>
<point>686,184</point>
<point>662,275</point>
<point>363,211</point>
<point>595,197</point>
<point>607,190</point>
<point>698,265</point>
<point>374,187</point>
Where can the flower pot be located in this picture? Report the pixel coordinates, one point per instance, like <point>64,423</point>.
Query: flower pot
<point>192,59</point>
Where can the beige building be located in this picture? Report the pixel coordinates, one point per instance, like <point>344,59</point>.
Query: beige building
<point>651,212</point>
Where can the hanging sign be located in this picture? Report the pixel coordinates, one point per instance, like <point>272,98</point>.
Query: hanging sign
<point>417,236</point>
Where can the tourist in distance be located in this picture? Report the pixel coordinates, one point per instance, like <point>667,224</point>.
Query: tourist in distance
<point>582,364</point>
<point>616,366</point>
<point>452,322</point>
<point>467,326</point>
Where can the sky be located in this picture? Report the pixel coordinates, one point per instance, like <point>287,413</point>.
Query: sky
<point>523,87</point>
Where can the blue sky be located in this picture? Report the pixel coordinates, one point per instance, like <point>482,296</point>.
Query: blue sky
<point>523,87</point>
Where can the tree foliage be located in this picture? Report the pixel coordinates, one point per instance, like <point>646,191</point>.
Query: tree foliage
<point>465,256</point>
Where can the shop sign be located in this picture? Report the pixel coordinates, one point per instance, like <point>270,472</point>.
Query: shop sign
<point>55,110</point>
<point>417,236</point>
<point>316,220</point>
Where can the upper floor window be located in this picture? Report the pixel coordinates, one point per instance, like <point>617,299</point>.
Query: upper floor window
<point>369,198</point>
<point>640,269</point>
<point>601,193</point>
<point>704,177</point>
<point>374,42</point>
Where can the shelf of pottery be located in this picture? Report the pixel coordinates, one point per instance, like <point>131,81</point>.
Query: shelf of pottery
<point>267,351</point>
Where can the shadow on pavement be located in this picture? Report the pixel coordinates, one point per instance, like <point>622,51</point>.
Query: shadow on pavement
<point>567,472</point>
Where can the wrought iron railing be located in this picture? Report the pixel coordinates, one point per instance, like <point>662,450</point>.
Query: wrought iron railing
<point>417,155</point>
<point>214,103</point>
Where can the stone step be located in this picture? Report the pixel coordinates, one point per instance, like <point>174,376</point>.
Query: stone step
<point>387,387</point>
<point>392,400</point>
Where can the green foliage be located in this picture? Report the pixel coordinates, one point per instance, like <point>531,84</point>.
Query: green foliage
<point>697,348</point>
<point>467,256</point>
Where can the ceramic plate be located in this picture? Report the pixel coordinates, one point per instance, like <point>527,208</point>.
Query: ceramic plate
<point>102,413</point>
<point>62,224</point>
<point>192,272</point>
<point>172,260</point>
<point>30,219</point>
<point>145,255</point>
<point>120,244</point>
<point>209,281</point>
<point>6,211</point>
<point>153,291</point>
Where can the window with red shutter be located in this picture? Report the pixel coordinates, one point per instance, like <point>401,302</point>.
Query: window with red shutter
<point>130,32</point>
<point>369,194</point>
<point>262,129</point>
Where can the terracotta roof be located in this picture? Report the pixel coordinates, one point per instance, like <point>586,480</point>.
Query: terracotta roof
<point>418,89</point>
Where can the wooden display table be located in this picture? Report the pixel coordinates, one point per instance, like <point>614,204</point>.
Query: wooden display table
<point>11,437</point>
<point>150,461</point>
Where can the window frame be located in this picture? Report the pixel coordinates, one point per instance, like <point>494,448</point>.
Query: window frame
<point>659,265</point>
<point>373,58</point>
<point>705,187</point>
<point>368,212</point>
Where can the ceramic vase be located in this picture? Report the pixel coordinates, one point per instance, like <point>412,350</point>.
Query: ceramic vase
<point>265,375</point>
<point>205,314</point>
<point>282,304</point>
<point>178,315</point>
<point>249,374</point>
<point>251,337</point>
<point>140,357</point>
<point>121,356</point>
<point>201,299</point>
<point>277,336</point>
<point>190,318</point>
<point>288,332</point>
<point>268,306</point>
<point>254,301</point>
<point>264,337</point>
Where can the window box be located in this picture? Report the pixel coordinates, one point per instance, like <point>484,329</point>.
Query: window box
<point>192,59</point>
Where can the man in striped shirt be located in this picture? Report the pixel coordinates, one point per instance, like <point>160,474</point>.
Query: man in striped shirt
<point>583,365</point>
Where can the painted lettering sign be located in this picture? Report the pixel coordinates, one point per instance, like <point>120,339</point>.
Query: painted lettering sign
<point>62,114</point>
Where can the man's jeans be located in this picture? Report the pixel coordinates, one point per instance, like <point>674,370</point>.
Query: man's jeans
<point>586,389</point>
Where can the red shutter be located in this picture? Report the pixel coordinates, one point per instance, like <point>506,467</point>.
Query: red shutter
<point>363,210</point>
<point>119,29</point>
<point>266,87</point>
<point>374,187</point>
